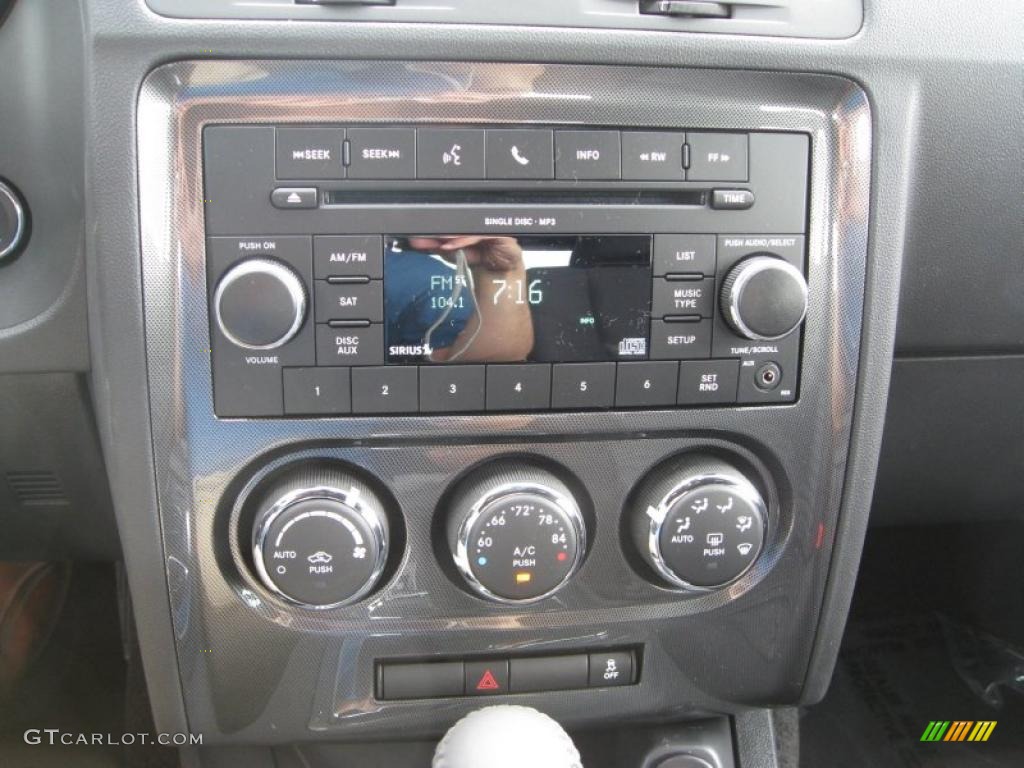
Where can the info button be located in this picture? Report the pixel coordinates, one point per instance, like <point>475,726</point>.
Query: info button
<point>587,155</point>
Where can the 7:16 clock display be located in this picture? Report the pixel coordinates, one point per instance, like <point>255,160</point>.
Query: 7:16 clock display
<point>484,298</point>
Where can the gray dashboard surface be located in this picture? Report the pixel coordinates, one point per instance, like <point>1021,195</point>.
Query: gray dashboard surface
<point>912,58</point>
<point>42,291</point>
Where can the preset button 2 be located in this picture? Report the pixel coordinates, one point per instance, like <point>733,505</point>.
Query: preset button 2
<point>385,390</point>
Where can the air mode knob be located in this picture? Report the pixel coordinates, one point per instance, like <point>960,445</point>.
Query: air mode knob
<point>260,304</point>
<point>321,538</point>
<point>764,297</point>
<point>698,522</point>
<point>516,532</point>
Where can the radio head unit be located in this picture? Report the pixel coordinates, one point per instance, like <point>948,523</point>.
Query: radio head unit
<point>598,269</point>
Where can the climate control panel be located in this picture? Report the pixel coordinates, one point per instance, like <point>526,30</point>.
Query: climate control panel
<point>516,531</point>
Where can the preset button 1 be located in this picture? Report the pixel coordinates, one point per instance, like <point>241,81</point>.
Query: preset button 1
<point>312,391</point>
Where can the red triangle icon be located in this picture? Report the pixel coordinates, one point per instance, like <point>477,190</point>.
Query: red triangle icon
<point>487,682</point>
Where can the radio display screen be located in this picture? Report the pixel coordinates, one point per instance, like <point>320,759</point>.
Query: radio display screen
<point>500,299</point>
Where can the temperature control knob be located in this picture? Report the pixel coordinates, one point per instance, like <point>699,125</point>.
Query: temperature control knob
<point>698,522</point>
<point>260,304</point>
<point>321,539</point>
<point>764,297</point>
<point>516,533</point>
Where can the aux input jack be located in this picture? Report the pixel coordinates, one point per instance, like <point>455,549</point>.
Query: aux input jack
<point>768,376</point>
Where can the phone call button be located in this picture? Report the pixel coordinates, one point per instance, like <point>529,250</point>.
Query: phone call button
<point>520,154</point>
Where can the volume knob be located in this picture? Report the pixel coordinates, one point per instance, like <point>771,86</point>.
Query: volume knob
<point>764,297</point>
<point>260,304</point>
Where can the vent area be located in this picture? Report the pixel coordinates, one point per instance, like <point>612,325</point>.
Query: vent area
<point>33,488</point>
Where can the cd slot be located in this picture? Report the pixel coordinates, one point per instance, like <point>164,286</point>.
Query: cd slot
<point>665,197</point>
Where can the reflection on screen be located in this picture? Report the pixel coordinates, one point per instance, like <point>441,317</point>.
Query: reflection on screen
<point>475,298</point>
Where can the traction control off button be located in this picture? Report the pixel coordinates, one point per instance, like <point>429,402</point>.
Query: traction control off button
<point>611,669</point>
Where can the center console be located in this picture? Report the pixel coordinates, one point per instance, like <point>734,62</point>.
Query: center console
<point>526,382</point>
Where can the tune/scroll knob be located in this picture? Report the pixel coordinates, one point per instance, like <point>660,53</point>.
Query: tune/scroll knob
<point>320,539</point>
<point>764,297</point>
<point>698,522</point>
<point>260,304</point>
<point>516,532</point>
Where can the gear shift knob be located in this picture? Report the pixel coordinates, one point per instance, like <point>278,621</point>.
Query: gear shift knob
<point>506,737</point>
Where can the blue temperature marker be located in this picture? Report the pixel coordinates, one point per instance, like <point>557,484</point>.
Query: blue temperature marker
<point>481,560</point>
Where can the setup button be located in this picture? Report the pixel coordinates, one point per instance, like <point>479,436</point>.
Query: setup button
<point>680,341</point>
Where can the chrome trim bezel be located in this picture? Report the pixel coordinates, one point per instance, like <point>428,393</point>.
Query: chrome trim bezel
<point>735,484</point>
<point>288,278</point>
<point>745,271</point>
<point>355,501</point>
<point>20,219</point>
<point>566,504</point>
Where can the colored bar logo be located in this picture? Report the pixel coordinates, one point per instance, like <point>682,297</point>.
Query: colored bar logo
<point>958,730</point>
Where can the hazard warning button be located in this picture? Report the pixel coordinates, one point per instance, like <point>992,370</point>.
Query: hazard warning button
<point>486,678</point>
